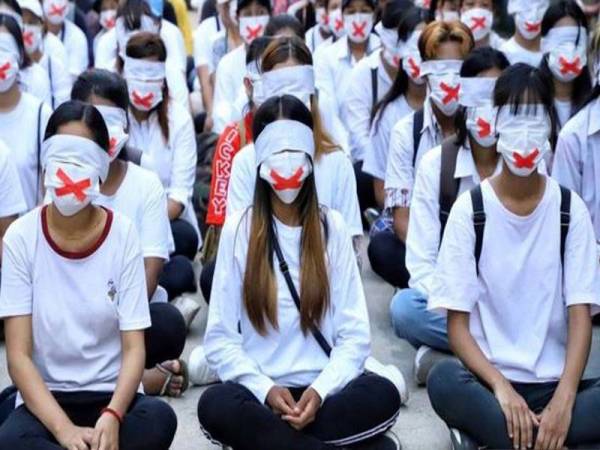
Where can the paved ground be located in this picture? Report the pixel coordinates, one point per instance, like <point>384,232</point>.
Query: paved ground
<point>418,426</point>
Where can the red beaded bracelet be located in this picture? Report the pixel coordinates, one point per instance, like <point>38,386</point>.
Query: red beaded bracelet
<point>113,413</point>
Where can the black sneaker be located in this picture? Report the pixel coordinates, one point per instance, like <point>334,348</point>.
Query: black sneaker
<point>462,441</point>
<point>387,441</point>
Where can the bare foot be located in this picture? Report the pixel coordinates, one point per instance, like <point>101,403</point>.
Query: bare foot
<point>154,379</point>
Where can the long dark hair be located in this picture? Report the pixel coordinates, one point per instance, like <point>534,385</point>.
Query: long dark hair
<point>522,84</point>
<point>406,25</point>
<point>13,28</point>
<point>77,111</point>
<point>479,60</point>
<point>259,287</point>
<point>583,83</point>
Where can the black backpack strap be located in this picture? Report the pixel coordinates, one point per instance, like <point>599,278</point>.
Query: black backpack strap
<point>417,127</point>
<point>51,82</point>
<point>374,87</point>
<point>218,23</point>
<point>448,184</point>
<point>288,280</point>
<point>478,222</point>
<point>565,220</point>
<point>38,141</point>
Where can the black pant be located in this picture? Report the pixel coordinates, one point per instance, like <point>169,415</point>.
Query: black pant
<point>186,239</point>
<point>206,279</point>
<point>365,191</point>
<point>150,424</point>
<point>464,403</point>
<point>165,339</point>
<point>230,414</point>
<point>178,277</point>
<point>386,255</point>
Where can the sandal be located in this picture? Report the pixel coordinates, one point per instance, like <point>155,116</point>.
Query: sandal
<point>164,390</point>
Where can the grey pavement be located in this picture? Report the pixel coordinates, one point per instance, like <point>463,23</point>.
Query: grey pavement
<point>418,427</point>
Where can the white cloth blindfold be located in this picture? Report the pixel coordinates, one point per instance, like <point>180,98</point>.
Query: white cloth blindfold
<point>561,35</point>
<point>476,91</point>
<point>297,81</point>
<point>8,45</point>
<point>411,44</point>
<point>113,116</point>
<point>388,36</point>
<point>284,135</point>
<point>527,115</point>
<point>141,69</point>
<point>441,66</point>
<point>76,150</point>
<point>515,6</point>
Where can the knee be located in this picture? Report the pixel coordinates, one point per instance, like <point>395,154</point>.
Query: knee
<point>404,310</point>
<point>376,248</point>
<point>442,381</point>
<point>166,338</point>
<point>162,424</point>
<point>178,276</point>
<point>185,237</point>
<point>216,409</point>
<point>384,389</point>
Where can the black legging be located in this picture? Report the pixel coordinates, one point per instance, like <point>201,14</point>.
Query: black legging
<point>165,339</point>
<point>149,424</point>
<point>206,279</point>
<point>386,255</point>
<point>178,277</point>
<point>365,191</point>
<point>230,414</point>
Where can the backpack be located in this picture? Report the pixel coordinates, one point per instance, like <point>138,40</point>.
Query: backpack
<point>479,221</point>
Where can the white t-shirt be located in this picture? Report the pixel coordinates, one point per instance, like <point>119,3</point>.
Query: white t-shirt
<point>53,46</point>
<point>357,104</point>
<point>229,80</point>
<point>34,80</point>
<point>174,161</point>
<point>141,197</point>
<point>12,201</point>
<point>76,46</point>
<point>518,303</point>
<point>20,131</point>
<point>516,54</point>
<point>203,38</point>
<point>563,110</point>
<point>334,178</point>
<point>59,77</point>
<point>287,357</point>
<point>78,303</point>
<point>376,156</point>
<point>314,39</point>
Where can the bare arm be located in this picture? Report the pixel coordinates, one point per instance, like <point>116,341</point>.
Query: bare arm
<point>401,222</point>
<point>4,224</point>
<point>379,192</point>
<point>153,267</point>
<point>207,93</point>
<point>174,208</point>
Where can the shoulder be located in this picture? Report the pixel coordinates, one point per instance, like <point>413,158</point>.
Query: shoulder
<point>578,124</point>
<point>144,179</point>
<point>22,230</point>
<point>178,114</point>
<point>237,225</point>
<point>53,42</point>
<point>75,32</point>
<point>121,227</point>
<point>336,222</point>
<point>246,155</point>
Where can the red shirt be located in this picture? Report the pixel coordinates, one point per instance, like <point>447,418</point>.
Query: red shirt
<point>228,145</point>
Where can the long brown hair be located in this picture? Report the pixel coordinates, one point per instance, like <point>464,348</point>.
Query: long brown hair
<point>260,286</point>
<point>144,45</point>
<point>284,49</point>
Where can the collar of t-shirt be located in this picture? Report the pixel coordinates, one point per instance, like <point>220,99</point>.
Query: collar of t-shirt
<point>430,123</point>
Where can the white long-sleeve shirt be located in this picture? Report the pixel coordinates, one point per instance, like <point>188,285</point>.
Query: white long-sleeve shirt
<point>229,80</point>
<point>287,357</point>
<point>76,46</point>
<point>334,177</point>
<point>576,160</point>
<point>357,104</point>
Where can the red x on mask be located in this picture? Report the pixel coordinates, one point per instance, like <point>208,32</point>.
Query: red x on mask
<point>254,32</point>
<point>56,10</point>
<point>485,129</point>
<point>533,27</point>
<point>338,24</point>
<point>450,91</point>
<point>28,38</point>
<point>570,66</point>
<point>359,29</point>
<point>415,70</point>
<point>477,22</point>
<point>281,183</point>
<point>4,68</point>
<point>526,162</point>
<point>77,188</point>
<point>145,101</point>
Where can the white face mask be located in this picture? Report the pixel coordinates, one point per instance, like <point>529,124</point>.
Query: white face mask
<point>145,95</point>
<point>481,124</point>
<point>336,23</point>
<point>411,64</point>
<point>358,26</point>
<point>479,21</point>
<point>529,23</point>
<point>32,37</point>
<point>286,172</point>
<point>108,18</point>
<point>116,122</point>
<point>567,61</point>
<point>55,11</point>
<point>323,19</point>
<point>445,90</point>
<point>71,186</point>
<point>9,69</point>
<point>252,27</point>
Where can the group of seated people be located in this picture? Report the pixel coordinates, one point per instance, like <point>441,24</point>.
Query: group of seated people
<point>461,164</point>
